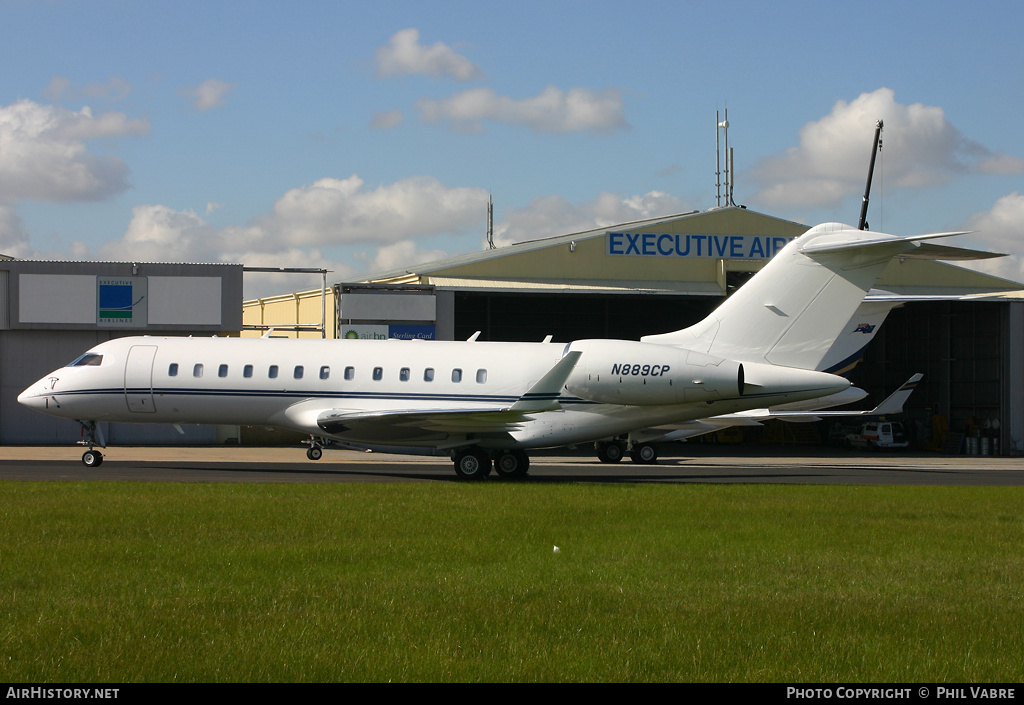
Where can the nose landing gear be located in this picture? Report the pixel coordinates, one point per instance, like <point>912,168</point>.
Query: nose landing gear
<point>93,436</point>
<point>316,447</point>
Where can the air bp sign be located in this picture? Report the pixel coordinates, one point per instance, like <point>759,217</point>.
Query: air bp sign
<point>122,302</point>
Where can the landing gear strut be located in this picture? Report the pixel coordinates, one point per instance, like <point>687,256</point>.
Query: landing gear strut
<point>91,458</point>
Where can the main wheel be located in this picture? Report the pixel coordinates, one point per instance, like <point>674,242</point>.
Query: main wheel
<point>610,452</point>
<point>644,454</point>
<point>315,453</point>
<point>514,463</point>
<point>92,458</point>
<point>472,464</point>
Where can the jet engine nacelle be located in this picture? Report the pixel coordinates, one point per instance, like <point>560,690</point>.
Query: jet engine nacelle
<point>645,374</point>
<point>649,374</point>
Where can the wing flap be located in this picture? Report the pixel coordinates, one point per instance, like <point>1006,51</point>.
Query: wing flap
<point>432,420</point>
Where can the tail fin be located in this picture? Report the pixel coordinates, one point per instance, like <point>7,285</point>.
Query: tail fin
<point>848,348</point>
<point>893,404</point>
<point>791,312</point>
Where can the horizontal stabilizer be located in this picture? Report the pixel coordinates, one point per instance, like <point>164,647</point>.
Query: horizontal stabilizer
<point>847,238</point>
<point>944,253</point>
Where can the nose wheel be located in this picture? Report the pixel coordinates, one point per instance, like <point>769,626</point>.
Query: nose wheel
<point>316,447</point>
<point>92,436</point>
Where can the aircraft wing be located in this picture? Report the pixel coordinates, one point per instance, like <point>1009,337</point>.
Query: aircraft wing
<point>435,426</point>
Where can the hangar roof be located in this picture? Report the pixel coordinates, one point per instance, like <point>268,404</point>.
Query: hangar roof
<point>584,262</point>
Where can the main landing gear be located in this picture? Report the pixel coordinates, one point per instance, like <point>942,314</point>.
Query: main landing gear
<point>614,451</point>
<point>91,458</point>
<point>475,463</point>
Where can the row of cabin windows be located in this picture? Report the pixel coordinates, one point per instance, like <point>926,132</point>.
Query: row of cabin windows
<point>299,371</point>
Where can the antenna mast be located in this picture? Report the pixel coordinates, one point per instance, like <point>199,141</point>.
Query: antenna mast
<point>862,224</point>
<point>723,127</point>
<point>718,162</point>
<point>490,222</point>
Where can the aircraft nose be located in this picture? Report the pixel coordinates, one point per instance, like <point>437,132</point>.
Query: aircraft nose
<point>34,397</point>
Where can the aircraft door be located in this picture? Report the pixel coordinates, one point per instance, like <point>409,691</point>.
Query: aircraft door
<point>138,379</point>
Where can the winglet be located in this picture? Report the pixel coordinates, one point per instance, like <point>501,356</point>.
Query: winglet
<point>543,396</point>
<point>893,404</point>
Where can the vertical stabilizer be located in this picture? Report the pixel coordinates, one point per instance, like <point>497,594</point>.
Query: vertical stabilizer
<point>792,311</point>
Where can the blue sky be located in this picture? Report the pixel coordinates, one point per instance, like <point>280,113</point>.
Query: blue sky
<point>367,136</point>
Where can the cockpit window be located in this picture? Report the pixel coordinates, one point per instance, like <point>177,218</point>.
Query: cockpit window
<point>87,360</point>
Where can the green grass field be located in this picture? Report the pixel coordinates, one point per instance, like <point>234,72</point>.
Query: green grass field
<point>127,582</point>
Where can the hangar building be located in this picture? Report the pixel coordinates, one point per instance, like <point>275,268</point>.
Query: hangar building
<point>663,274</point>
<point>52,312</point>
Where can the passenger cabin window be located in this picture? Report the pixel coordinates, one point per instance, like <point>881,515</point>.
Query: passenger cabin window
<point>456,375</point>
<point>325,372</point>
<point>403,374</point>
<point>247,371</point>
<point>350,373</point>
<point>172,370</point>
<point>197,371</point>
<point>272,372</point>
<point>222,371</point>
<point>378,373</point>
<point>481,376</point>
<point>86,360</point>
<point>428,374</point>
<point>298,372</point>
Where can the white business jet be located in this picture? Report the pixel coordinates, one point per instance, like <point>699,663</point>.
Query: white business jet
<point>489,402</point>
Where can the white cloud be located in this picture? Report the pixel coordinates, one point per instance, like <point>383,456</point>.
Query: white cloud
<point>553,110</point>
<point>13,239</point>
<point>158,233</point>
<point>308,222</point>
<point>920,148</point>
<point>211,93</point>
<point>1001,164</point>
<point>256,284</point>
<point>43,153</point>
<point>57,87</point>
<point>60,88</point>
<point>404,55</point>
<point>386,120</point>
<point>115,88</point>
<point>553,215</point>
<point>1002,230</point>
<point>399,255</point>
<point>342,211</point>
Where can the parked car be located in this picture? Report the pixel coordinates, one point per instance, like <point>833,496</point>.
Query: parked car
<point>878,435</point>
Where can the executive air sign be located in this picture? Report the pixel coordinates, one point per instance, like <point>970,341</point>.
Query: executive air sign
<point>695,245</point>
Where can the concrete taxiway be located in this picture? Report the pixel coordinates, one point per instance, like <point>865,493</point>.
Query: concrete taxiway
<point>700,464</point>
